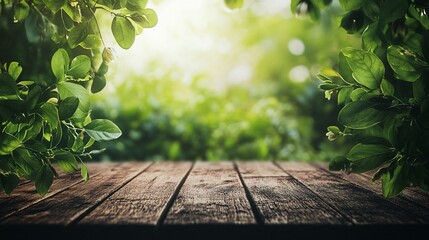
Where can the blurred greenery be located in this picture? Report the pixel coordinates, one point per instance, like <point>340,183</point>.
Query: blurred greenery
<point>267,108</point>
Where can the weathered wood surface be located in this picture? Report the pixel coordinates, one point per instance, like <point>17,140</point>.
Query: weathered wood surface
<point>222,200</point>
<point>212,194</point>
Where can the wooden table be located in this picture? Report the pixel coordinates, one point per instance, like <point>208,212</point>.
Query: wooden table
<point>216,200</point>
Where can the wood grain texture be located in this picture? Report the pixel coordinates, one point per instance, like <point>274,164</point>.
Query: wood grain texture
<point>281,199</point>
<point>421,213</point>
<point>143,200</point>
<point>25,195</point>
<point>67,206</point>
<point>359,205</point>
<point>212,194</point>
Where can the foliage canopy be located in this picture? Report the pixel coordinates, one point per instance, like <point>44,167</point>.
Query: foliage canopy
<point>45,112</point>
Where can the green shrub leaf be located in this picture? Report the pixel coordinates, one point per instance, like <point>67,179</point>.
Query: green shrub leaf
<point>367,68</point>
<point>8,143</point>
<point>60,64</point>
<point>233,4</point>
<point>349,5</point>
<point>80,66</point>
<point>367,157</point>
<point>360,115</point>
<point>123,31</point>
<point>44,180</point>
<point>49,112</point>
<point>406,64</point>
<point>77,35</point>
<point>146,19</point>
<point>21,10</point>
<point>9,89</point>
<point>136,5</point>
<point>8,182</point>
<point>68,89</point>
<point>68,107</point>
<point>66,161</point>
<point>339,164</point>
<point>54,5</point>
<point>395,179</point>
<point>84,172</point>
<point>102,130</point>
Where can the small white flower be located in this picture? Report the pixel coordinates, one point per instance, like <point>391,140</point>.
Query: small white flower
<point>302,8</point>
<point>331,136</point>
<point>109,54</point>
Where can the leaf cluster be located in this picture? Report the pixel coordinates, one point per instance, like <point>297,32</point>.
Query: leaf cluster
<point>383,89</point>
<point>47,121</point>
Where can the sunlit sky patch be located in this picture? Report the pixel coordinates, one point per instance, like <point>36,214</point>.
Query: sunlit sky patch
<point>197,38</point>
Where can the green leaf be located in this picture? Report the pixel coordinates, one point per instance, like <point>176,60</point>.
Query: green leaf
<point>334,129</point>
<point>73,12</point>
<point>9,89</point>
<point>395,180</point>
<point>44,180</point>
<point>21,10</point>
<point>371,10</point>
<point>54,5</point>
<point>60,64</point>
<point>361,115</point>
<point>102,130</point>
<point>92,41</point>
<point>407,65</point>
<point>392,10</point>
<point>357,94</point>
<point>123,31</point>
<point>331,74</point>
<point>420,89</point>
<point>8,143</point>
<point>33,97</point>
<point>27,164</point>
<point>68,89</point>
<point>344,95</point>
<point>367,68</point>
<point>33,129</point>
<point>77,35</point>
<point>339,163</point>
<point>98,83</point>
<point>136,5</point>
<point>372,135</point>
<point>367,157</point>
<point>387,88</point>
<point>66,161</point>
<point>422,18</point>
<point>14,70</point>
<point>68,107</point>
<point>78,145</point>
<point>49,112</point>
<point>371,39</point>
<point>80,66</point>
<point>349,5</point>
<point>233,4</point>
<point>8,182</point>
<point>345,70</point>
<point>147,18</point>
<point>84,172</point>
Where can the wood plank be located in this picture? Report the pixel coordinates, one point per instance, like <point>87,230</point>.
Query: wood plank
<point>212,194</point>
<point>359,205</point>
<point>68,206</point>
<point>25,195</point>
<point>143,200</point>
<point>402,201</point>
<point>281,199</point>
